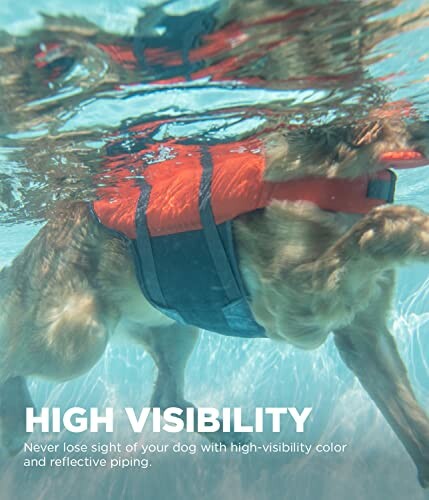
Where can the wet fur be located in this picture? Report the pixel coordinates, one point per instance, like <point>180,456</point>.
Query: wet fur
<point>309,272</point>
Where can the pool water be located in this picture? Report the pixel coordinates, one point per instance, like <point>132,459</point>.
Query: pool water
<point>76,90</point>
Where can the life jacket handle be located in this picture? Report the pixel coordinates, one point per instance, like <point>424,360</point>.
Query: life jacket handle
<point>402,159</point>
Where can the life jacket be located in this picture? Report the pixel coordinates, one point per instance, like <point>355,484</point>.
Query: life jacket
<point>176,205</point>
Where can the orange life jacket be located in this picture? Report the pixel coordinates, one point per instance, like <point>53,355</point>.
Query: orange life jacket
<point>174,203</point>
<point>173,172</point>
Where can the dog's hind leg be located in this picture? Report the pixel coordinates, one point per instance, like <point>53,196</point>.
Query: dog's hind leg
<point>369,350</point>
<point>14,399</point>
<point>170,348</point>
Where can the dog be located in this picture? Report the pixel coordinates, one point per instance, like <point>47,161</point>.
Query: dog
<point>309,273</point>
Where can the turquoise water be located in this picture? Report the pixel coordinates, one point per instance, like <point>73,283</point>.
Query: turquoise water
<point>55,128</point>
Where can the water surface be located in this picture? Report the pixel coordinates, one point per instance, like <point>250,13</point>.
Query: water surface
<point>75,93</point>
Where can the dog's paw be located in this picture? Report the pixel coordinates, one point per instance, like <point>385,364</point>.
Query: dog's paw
<point>396,232</point>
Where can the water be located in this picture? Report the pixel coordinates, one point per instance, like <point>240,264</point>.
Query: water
<point>60,121</point>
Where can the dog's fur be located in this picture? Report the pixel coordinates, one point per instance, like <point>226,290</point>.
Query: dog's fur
<point>309,273</point>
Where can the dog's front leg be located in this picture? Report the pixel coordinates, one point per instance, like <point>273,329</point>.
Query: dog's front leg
<point>369,350</point>
<point>387,237</point>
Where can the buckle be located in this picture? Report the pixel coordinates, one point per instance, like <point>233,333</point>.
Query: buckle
<point>382,187</point>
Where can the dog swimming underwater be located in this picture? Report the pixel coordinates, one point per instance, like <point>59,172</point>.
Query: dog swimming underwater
<point>288,234</point>
<point>309,272</point>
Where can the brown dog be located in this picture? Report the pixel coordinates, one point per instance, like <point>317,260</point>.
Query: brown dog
<point>309,273</point>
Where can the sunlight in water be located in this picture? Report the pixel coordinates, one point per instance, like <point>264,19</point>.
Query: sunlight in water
<point>101,86</point>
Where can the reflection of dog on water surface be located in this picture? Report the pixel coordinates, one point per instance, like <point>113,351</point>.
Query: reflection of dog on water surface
<point>290,266</point>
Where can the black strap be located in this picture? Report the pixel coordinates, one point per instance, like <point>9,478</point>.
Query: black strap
<point>145,247</point>
<point>214,243</point>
